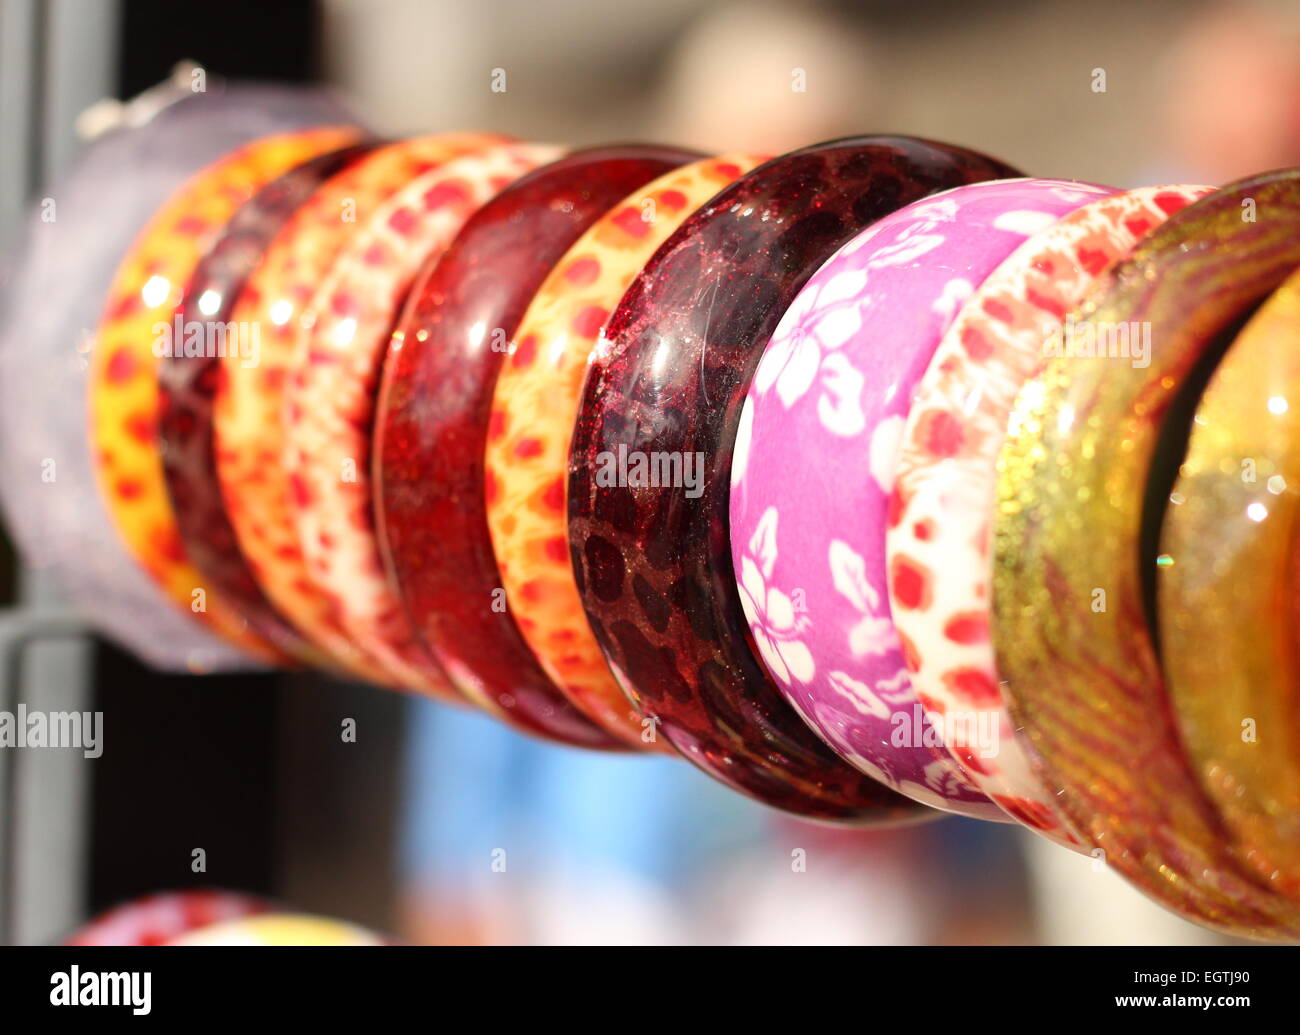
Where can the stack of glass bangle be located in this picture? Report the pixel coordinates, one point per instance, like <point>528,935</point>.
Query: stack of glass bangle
<point>875,479</point>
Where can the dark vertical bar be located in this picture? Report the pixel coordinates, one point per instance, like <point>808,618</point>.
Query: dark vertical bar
<point>245,39</point>
<point>192,766</point>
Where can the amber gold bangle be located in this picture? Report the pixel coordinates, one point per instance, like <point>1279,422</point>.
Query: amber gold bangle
<point>1082,679</point>
<point>1227,611</point>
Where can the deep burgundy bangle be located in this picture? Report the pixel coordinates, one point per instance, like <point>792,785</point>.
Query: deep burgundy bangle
<point>654,564</point>
<point>432,427</point>
<point>187,387</point>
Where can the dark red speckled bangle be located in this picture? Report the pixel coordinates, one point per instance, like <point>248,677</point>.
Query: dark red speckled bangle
<point>432,427</point>
<point>654,564</point>
<point>187,385</point>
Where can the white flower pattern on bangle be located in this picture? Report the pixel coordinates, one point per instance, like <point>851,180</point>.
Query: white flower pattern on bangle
<point>872,633</point>
<point>946,470</point>
<point>773,618</point>
<point>834,387</point>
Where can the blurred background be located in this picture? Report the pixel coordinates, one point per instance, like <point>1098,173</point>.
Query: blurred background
<point>443,827</point>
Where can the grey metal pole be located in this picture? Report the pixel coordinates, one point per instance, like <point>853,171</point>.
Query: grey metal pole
<point>56,58</point>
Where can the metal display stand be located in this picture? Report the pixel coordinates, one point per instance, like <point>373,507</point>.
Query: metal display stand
<point>250,766</point>
<point>23,668</point>
<point>56,58</point>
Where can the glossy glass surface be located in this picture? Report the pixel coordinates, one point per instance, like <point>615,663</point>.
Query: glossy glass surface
<point>433,427</point>
<point>668,378</point>
<point>205,339</point>
<point>330,396</point>
<point>1229,561</point>
<point>946,482</point>
<point>535,405</point>
<point>249,409</point>
<point>814,485</point>
<point>137,324</point>
<point>1082,680</point>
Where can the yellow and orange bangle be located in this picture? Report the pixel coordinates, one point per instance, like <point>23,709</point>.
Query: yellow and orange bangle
<point>124,397</point>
